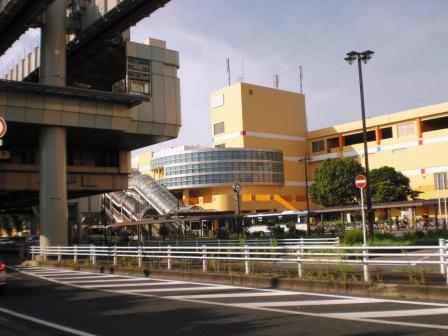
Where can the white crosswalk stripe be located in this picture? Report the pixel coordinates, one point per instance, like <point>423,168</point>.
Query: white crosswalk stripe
<point>307,303</point>
<point>391,313</point>
<point>78,280</point>
<point>230,295</point>
<point>103,277</point>
<point>135,285</point>
<point>177,289</point>
<point>249,298</point>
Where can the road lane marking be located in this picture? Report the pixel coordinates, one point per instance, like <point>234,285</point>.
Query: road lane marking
<point>179,289</point>
<point>82,282</point>
<point>45,323</point>
<point>54,273</point>
<point>306,303</point>
<point>134,284</point>
<point>391,313</point>
<point>276,310</point>
<point>229,295</point>
<point>105,277</point>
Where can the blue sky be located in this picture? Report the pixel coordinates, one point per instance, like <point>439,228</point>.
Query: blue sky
<point>409,68</point>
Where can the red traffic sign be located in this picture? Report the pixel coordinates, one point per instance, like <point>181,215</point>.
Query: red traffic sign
<point>2,127</point>
<point>360,181</point>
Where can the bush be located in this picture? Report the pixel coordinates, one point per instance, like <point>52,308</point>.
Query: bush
<point>222,233</point>
<point>384,236</point>
<point>278,232</point>
<point>352,237</point>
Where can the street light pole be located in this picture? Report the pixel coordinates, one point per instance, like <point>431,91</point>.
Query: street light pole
<point>364,56</point>
<point>305,160</point>
<point>236,194</point>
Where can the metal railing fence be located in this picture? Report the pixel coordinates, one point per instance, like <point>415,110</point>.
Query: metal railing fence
<point>363,256</point>
<point>236,242</point>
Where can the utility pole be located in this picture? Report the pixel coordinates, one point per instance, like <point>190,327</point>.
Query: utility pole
<point>364,57</point>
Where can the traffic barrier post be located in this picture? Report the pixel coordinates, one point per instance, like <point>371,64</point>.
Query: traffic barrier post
<point>75,254</point>
<point>365,264</point>
<point>441,258</point>
<point>445,265</point>
<point>204,258</point>
<point>169,257</point>
<point>93,254</point>
<point>59,254</point>
<point>246,259</point>
<point>140,256</point>
<point>115,254</point>
<point>299,261</point>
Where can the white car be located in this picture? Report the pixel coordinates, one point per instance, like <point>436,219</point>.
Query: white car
<point>2,276</point>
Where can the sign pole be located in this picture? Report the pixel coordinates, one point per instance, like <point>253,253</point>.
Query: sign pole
<point>364,235</point>
<point>361,182</point>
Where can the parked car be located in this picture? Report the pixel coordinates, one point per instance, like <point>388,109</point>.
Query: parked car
<point>5,242</point>
<point>32,240</point>
<point>2,276</point>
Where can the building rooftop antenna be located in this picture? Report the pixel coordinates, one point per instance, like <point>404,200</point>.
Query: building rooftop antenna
<point>276,80</point>
<point>228,69</point>
<point>301,78</point>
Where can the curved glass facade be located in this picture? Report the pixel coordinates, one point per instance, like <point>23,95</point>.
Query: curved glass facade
<point>220,166</point>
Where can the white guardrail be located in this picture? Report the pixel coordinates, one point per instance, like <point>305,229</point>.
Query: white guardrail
<point>235,242</point>
<point>363,256</point>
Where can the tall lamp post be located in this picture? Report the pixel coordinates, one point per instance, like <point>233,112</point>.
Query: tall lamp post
<point>364,56</point>
<point>306,160</point>
<point>236,195</point>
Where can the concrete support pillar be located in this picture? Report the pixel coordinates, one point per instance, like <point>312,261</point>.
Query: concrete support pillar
<point>52,139</point>
<point>124,162</point>
<point>53,186</point>
<point>53,45</point>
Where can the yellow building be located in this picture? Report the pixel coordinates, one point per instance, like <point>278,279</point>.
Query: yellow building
<point>260,134</point>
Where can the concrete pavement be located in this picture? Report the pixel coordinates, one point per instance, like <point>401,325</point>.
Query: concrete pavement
<point>104,304</point>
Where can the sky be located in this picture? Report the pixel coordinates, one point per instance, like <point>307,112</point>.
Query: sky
<point>409,68</point>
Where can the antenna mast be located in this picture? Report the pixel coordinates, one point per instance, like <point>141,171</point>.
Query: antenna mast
<point>276,80</point>
<point>228,69</point>
<point>301,78</point>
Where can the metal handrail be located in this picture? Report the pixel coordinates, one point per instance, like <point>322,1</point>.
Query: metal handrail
<point>298,253</point>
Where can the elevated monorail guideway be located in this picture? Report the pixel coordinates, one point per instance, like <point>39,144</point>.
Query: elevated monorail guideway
<point>16,17</point>
<point>96,54</point>
<point>94,97</point>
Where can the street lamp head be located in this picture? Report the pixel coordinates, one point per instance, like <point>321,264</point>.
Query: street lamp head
<point>351,57</point>
<point>366,55</point>
<point>362,56</point>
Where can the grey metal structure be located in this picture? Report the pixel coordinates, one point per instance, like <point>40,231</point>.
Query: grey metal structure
<point>96,96</point>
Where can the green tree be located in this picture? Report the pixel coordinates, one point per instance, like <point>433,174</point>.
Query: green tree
<point>334,182</point>
<point>292,231</point>
<point>271,225</point>
<point>242,224</point>
<point>388,185</point>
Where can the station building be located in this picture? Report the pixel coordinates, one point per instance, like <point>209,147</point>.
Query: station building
<point>260,135</point>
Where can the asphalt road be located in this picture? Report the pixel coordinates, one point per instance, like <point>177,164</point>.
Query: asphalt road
<point>56,302</point>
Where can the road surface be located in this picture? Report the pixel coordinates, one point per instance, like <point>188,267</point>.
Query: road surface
<point>44,301</point>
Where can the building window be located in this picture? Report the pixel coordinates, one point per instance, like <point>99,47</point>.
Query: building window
<point>217,101</point>
<point>405,129</point>
<point>218,128</point>
<point>220,146</point>
<point>317,146</point>
<point>251,92</point>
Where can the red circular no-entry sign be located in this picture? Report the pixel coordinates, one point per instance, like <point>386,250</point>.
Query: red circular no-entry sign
<point>360,181</point>
<point>2,127</point>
